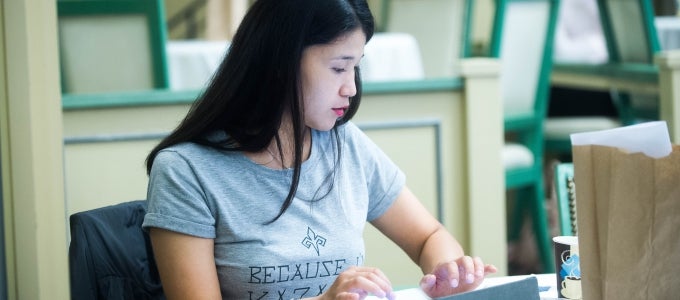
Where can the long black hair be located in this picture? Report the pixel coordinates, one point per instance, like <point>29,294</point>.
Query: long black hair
<point>259,79</point>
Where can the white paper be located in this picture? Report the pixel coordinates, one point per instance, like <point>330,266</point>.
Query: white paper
<point>650,138</point>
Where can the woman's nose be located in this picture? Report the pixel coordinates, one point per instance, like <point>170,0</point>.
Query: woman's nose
<point>349,89</point>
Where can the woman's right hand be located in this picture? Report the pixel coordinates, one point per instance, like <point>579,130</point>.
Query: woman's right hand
<point>356,283</point>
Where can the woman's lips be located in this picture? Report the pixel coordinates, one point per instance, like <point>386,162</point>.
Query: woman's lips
<point>340,111</point>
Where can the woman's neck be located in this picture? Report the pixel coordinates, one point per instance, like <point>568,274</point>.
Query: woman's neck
<point>282,156</point>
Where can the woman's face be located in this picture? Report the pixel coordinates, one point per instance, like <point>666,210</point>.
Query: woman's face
<point>327,73</point>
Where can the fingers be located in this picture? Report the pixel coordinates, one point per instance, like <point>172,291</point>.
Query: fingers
<point>490,269</point>
<point>358,282</point>
<point>463,274</point>
<point>347,296</point>
<point>466,269</point>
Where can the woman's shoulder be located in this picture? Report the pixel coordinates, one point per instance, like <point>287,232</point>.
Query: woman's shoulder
<point>193,153</point>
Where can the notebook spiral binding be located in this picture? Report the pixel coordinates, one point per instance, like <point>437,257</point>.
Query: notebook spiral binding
<point>571,188</point>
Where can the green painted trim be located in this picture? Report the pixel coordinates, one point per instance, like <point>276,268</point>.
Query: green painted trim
<point>159,34</point>
<point>170,97</point>
<point>466,43</point>
<point>652,37</point>
<point>413,86</point>
<point>521,122</point>
<point>629,71</point>
<point>153,9</point>
<point>128,99</point>
<point>497,29</point>
<point>384,15</point>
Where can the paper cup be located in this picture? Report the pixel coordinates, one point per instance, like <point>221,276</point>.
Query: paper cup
<point>567,267</point>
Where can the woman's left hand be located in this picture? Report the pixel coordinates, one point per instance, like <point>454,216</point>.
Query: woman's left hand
<point>462,275</point>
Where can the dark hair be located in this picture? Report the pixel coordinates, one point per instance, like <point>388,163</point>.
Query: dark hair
<point>259,78</point>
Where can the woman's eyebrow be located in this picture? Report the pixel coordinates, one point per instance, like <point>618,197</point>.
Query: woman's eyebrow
<point>347,57</point>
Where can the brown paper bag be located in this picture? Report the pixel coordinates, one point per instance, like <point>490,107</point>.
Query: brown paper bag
<point>629,223</point>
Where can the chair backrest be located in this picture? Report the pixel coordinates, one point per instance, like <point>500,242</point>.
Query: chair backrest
<point>110,255</point>
<point>522,37</point>
<point>629,30</point>
<point>565,190</point>
<point>630,33</point>
<point>110,46</point>
<point>441,28</point>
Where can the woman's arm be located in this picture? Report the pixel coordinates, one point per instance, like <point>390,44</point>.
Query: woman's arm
<point>186,265</point>
<point>431,246</point>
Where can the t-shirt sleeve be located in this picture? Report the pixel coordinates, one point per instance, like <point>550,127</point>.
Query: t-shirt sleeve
<point>176,201</point>
<point>384,178</point>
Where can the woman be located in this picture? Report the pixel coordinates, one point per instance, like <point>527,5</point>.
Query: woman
<point>263,190</point>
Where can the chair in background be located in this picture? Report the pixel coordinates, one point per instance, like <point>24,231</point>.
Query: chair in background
<point>110,256</point>
<point>108,46</point>
<point>448,19</point>
<point>565,189</point>
<point>631,40</point>
<point>522,38</point>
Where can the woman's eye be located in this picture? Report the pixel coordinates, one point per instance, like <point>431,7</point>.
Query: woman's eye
<point>339,70</point>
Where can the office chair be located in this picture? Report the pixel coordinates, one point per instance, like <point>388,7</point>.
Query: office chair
<point>110,256</point>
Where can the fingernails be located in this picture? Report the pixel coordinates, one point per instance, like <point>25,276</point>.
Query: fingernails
<point>391,296</point>
<point>454,283</point>
<point>470,278</point>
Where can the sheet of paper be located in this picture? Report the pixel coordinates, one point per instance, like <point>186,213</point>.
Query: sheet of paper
<point>650,138</point>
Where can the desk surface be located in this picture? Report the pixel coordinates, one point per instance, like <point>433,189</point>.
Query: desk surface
<point>546,285</point>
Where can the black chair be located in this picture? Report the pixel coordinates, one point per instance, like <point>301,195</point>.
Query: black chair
<point>110,256</point>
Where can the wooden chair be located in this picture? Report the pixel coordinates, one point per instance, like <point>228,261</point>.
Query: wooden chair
<point>565,189</point>
<point>108,46</point>
<point>522,38</point>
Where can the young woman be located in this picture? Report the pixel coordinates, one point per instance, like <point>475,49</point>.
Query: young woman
<point>263,190</point>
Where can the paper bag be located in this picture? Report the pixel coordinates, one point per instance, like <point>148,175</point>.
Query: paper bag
<point>629,223</point>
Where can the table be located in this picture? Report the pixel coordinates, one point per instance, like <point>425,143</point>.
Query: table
<point>547,284</point>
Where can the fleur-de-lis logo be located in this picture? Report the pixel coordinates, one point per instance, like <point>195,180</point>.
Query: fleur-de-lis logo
<point>313,240</point>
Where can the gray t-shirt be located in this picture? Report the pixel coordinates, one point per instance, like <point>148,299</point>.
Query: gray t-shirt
<point>209,193</point>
